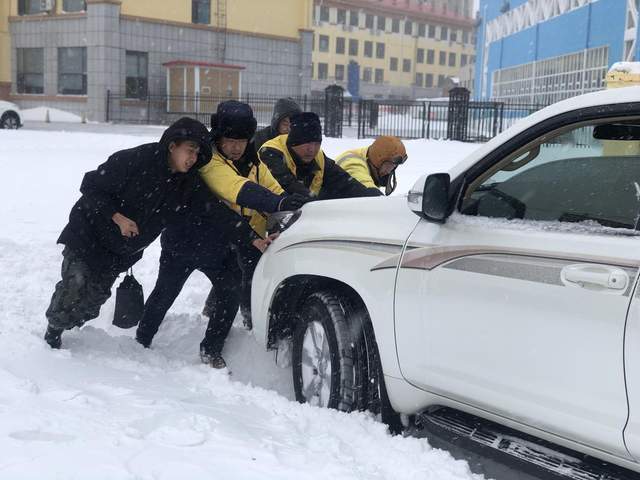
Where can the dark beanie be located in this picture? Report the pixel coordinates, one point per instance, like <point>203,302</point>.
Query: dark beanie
<point>305,128</point>
<point>189,129</point>
<point>233,119</point>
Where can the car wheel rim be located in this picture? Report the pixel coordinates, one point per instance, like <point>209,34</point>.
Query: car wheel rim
<point>316,365</point>
<point>11,123</point>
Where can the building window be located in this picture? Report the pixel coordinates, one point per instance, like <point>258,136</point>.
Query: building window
<point>201,11</point>
<point>382,23</point>
<point>29,7</point>
<point>442,60</point>
<point>74,5</point>
<point>453,36</point>
<point>452,59</point>
<point>441,80</point>
<point>353,46</point>
<point>324,14</point>
<point>340,72</point>
<point>353,18</point>
<point>393,64</point>
<point>342,17</point>
<point>428,80</point>
<point>395,25</point>
<point>72,71</point>
<point>323,43</point>
<point>431,55</point>
<point>137,74</point>
<point>463,60</point>
<point>323,71</point>
<point>406,65</point>
<point>368,21</point>
<point>379,50</point>
<point>444,33</point>
<point>419,79</point>
<point>421,29</point>
<point>340,42</point>
<point>368,49</point>
<point>432,31</point>
<point>366,74</point>
<point>420,55</point>
<point>408,27</point>
<point>465,36</point>
<point>30,70</point>
<point>379,75</point>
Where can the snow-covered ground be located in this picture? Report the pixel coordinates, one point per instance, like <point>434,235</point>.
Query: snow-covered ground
<point>105,408</point>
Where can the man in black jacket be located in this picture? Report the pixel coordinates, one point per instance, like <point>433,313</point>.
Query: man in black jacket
<point>280,122</point>
<point>125,204</point>
<point>200,240</point>
<point>300,166</point>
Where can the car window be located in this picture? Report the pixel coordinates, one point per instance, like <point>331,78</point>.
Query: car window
<point>587,173</point>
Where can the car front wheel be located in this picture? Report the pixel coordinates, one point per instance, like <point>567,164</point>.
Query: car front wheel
<point>10,120</point>
<point>325,369</point>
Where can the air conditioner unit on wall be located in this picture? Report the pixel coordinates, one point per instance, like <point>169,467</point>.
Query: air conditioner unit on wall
<point>47,5</point>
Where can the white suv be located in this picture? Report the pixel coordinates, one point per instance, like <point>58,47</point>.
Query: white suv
<point>9,115</point>
<point>505,289</point>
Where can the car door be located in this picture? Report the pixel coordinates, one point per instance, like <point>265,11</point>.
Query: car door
<point>517,304</point>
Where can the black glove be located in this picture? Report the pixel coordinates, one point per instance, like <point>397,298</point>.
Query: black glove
<point>292,202</point>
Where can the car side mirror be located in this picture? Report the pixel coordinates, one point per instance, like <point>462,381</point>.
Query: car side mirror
<point>429,198</point>
<point>435,197</point>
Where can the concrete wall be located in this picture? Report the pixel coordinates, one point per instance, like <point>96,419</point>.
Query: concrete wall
<point>5,51</point>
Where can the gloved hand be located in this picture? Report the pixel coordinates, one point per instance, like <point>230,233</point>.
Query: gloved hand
<point>292,202</point>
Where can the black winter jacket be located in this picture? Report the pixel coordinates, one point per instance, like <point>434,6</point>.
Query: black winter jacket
<point>336,183</point>
<point>202,234</point>
<point>138,184</point>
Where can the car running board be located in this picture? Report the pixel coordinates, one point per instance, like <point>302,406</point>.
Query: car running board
<point>504,454</point>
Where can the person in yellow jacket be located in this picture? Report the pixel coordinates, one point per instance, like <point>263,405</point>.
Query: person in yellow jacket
<point>236,175</point>
<point>375,166</point>
<point>300,166</point>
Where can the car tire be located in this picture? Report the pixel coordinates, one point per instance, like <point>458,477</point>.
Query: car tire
<point>10,120</point>
<point>325,365</point>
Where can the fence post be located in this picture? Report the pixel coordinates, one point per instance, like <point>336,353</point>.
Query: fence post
<point>359,116</point>
<point>333,109</point>
<point>148,108</point>
<point>108,103</point>
<point>424,114</point>
<point>429,121</point>
<point>501,116</point>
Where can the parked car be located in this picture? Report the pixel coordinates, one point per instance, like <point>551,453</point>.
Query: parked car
<point>9,115</point>
<point>505,288</point>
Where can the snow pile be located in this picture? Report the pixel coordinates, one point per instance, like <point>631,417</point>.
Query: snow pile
<point>39,114</point>
<point>105,408</point>
<point>625,67</point>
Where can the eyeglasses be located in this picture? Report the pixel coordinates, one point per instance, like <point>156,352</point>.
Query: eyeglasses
<point>398,160</point>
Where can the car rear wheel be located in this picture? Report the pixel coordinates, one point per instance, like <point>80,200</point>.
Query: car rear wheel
<point>10,120</point>
<point>325,367</point>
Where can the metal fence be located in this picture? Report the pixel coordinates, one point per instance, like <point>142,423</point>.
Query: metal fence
<point>366,118</point>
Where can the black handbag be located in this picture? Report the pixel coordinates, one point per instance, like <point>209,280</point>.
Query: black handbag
<point>129,302</point>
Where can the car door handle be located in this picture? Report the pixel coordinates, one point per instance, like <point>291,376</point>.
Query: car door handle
<point>594,276</point>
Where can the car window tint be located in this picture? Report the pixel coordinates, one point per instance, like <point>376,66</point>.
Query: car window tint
<point>573,176</point>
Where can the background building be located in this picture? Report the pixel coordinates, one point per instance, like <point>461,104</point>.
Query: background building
<point>68,53</point>
<point>391,48</point>
<point>542,51</point>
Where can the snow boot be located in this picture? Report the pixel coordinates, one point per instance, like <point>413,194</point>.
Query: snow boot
<point>53,336</point>
<point>214,360</point>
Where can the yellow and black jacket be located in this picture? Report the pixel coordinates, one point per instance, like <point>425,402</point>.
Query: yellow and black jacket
<point>247,186</point>
<point>355,163</point>
<point>321,178</point>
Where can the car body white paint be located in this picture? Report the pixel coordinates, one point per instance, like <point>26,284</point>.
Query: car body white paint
<point>533,368</point>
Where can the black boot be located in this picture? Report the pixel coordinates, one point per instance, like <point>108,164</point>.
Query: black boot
<point>53,336</point>
<point>213,359</point>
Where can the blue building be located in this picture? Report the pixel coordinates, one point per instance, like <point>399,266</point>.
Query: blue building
<point>542,51</point>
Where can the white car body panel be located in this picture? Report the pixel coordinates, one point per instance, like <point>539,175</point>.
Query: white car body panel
<point>470,363</point>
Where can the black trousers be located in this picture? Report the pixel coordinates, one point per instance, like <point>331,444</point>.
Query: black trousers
<point>80,294</point>
<point>173,273</point>
<point>246,258</point>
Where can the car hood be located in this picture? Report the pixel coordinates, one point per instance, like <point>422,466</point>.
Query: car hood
<point>385,220</point>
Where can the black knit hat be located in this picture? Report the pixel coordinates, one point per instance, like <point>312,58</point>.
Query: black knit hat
<point>305,128</point>
<point>189,129</point>
<point>233,119</point>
